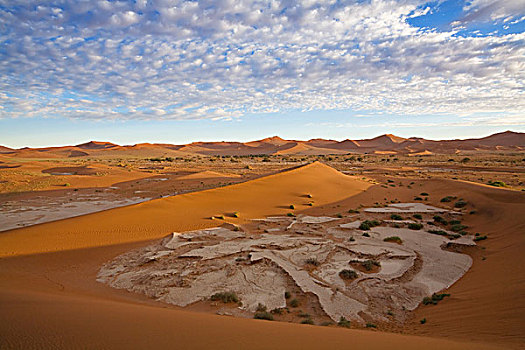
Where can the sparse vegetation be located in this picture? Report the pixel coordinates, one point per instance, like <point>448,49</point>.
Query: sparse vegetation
<point>418,216</point>
<point>290,214</point>
<point>480,238</point>
<point>497,183</point>
<point>458,227</point>
<point>312,261</point>
<point>292,206</point>
<point>294,303</point>
<point>367,224</point>
<point>366,234</point>
<point>287,295</point>
<point>371,325</point>
<point>415,226</point>
<point>261,308</point>
<point>440,220</point>
<point>263,316</point>
<point>348,274</point>
<point>307,321</point>
<point>393,239</point>
<point>434,299</point>
<point>396,217</point>
<point>343,322</point>
<point>447,199</point>
<point>423,321</point>
<point>423,194</point>
<point>225,297</point>
<point>460,204</point>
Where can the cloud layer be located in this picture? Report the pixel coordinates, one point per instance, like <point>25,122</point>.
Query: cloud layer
<point>174,59</point>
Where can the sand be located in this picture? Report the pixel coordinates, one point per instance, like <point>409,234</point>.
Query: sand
<point>52,268</point>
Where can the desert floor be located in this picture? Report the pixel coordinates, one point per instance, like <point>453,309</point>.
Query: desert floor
<point>49,297</point>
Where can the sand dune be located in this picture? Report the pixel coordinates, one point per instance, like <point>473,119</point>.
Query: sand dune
<point>384,144</point>
<point>50,268</point>
<point>205,175</point>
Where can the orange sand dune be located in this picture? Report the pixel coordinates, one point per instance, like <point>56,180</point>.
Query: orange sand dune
<point>205,175</point>
<point>49,297</point>
<point>157,218</point>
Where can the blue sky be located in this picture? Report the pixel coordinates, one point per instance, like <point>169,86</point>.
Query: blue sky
<point>180,71</point>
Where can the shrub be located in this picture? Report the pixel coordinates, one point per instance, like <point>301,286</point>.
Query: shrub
<point>423,194</point>
<point>309,196</point>
<point>353,211</point>
<point>292,206</point>
<point>480,238</point>
<point>434,299</point>
<point>393,239</point>
<point>369,264</point>
<point>307,321</point>
<point>236,214</point>
<point>440,220</point>
<point>458,227</point>
<point>396,217</point>
<point>366,234</point>
<point>261,308</point>
<point>438,232</point>
<point>497,183</point>
<point>263,316</point>
<point>312,261</point>
<point>287,295</point>
<point>418,198</point>
<point>367,224</point>
<point>348,274</point>
<point>371,325</point>
<point>290,214</point>
<point>460,204</point>
<point>351,239</point>
<point>423,321</point>
<point>277,311</point>
<point>454,222</point>
<point>294,303</point>
<point>447,199</point>
<point>343,322</point>
<point>225,297</point>
<point>418,216</point>
<point>415,226</point>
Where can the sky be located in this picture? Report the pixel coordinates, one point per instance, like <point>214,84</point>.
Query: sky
<point>180,71</point>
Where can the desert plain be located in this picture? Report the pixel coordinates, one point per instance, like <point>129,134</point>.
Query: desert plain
<point>368,244</point>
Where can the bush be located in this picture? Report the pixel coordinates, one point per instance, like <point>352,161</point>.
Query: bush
<point>348,274</point>
<point>343,322</point>
<point>423,194</point>
<point>287,295</point>
<point>460,204</point>
<point>261,308</point>
<point>423,321</point>
<point>418,198</point>
<point>480,238</point>
<point>415,226</point>
<point>438,232</point>
<point>396,217</point>
<point>367,224</point>
<point>353,211</point>
<point>447,199</point>
<point>312,261</point>
<point>366,234</point>
<point>263,316</point>
<point>393,239</point>
<point>440,220</point>
<point>307,321</point>
<point>371,325</point>
<point>290,214</point>
<point>434,299</point>
<point>454,222</point>
<point>225,297</point>
<point>294,303</point>
<point>236,214</point>
<point>497,183</point>
<point>277,311</point>
<point>292,206</point>
<point>418,216</point>
<point>369,264</point>
<point>458,227</point>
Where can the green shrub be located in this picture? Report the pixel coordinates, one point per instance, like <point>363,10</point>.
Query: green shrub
<point>312,261</point>
<point>434,299</point>
<point>480,238</point>
<point>393,239</point>
<point>366,234</point>
<point>343,322</point>
<point>369,264</point>
<point>418,198</point>
<point>277,311</point>
<point>415,226</point>
<point>225,297</point>
<point>447,199</point>
<point>348,274</point>
<point>351,239</point>
<point>497,183</point>
<point>353,211</point>
<point>307,321</point>
<point>367,224</point>
<point>290,214</point>
<point>423,321</point>
<point>287,295</point>
<point>263,316</point>
<point>460,204</point>
<point>423,194</point>
<point>454,222</point>
<point>294,303</point>
<point>440,220</point>
<point>396,217</point>
<point>261,308</point>
<point>418,216</point>
<point>371,325</point>
<point>292,206</point>
<point>458,227</point>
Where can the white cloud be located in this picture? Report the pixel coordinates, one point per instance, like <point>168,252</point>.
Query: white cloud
<point>174,59</point>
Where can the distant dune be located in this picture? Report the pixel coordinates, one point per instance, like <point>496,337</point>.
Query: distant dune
<point>384,144</point>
